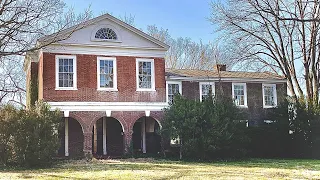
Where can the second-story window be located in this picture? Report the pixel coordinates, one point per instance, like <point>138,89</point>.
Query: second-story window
<point>239,93</point>
<point>66,74</point>
<point>145,74</point>
<point>173,88</point>
<point>269,95</point>
<point>107,73</point>
<point>205,89</point>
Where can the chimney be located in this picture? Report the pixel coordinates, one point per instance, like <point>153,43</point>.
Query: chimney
<point>220,67</point>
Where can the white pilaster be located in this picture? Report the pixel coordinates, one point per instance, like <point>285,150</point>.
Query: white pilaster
<point>143,129</point>
<point>66,137</point>
<point>104,126</point>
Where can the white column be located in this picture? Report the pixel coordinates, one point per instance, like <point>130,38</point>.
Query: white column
<point>104,143</point>
<point>143,129</point>
<point>66,137</point>
<point>95,139</point>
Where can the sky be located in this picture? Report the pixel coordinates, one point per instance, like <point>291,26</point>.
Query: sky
<point>182,18</point>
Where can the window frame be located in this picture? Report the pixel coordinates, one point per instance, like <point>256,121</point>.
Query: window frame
<point>274,95</point>
<point>153,86</point>
<point>213,87</point>
<point>167,88</point>
<point>245,94</point>
<point>74,71</point>
<point>115,84</point>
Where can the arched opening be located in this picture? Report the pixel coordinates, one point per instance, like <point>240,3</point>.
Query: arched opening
<point>107,137</point>
<point>146,135</point>
<point>73,134</point>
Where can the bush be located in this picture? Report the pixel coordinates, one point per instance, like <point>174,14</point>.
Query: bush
<point>293,134</point>
<point>208,130</point>
<point>29,137</point>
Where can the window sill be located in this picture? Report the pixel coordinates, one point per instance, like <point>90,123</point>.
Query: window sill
<point>150,90</point>
<point>268,107</point>
<point>242,106</point>
<point>65,89</point>
<point>107,89</point>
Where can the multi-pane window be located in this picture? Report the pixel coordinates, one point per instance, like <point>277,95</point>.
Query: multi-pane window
<point>205,90</point>
<point>173,89</point>
<point>240,94</point>
<point>145,75</point>
<point>106,73</point>
<point>106,33</point>
<point>66,72</point>
<point>269,95</point>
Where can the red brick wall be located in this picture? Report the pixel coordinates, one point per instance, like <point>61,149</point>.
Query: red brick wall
<point>255,111</point>
<point>87,81</point>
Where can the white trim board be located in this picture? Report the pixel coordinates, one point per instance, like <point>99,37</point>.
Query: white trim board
<point>104,51</point>
<point>112,106</point>
<point>248,80</point>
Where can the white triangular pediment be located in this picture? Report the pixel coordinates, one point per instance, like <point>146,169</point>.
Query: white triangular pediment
<point>127,36</point>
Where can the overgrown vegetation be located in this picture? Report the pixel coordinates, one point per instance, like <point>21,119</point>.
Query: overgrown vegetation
<point>28,137</point>
<point>293,134</point>
<point>207,130</point>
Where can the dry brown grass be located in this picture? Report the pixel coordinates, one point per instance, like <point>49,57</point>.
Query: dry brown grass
<point>162,169</point>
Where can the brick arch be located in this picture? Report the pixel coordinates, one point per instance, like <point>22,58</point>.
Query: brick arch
<point>153,117</point>
<point>121,121</point>
<point>80,121</point>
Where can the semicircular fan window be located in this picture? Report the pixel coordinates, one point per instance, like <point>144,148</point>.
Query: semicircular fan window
<point>106,33</point>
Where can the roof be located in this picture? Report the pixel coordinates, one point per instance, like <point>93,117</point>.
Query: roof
<point>194,73</point>
<point>68,31</point>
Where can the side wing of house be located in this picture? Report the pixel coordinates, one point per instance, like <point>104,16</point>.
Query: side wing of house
<point>255,93</point>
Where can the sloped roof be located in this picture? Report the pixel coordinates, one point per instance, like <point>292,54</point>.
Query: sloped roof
<point>67,32</point>
<point>222,74</point>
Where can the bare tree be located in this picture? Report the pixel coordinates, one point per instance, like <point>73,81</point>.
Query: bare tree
<point>22,23</point>
<point>277,35</point>
<point>187,54</point>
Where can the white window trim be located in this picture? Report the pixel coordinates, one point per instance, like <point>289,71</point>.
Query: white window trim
<point>274,95</point>
<point>153,83</point>
<point>167,88</point>
<point>213,87</point>
<point>115,84</point>
<point>245,94</point>
<point>74,72</point>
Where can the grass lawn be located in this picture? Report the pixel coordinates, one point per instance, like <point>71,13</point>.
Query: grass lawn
<point>163,169</point>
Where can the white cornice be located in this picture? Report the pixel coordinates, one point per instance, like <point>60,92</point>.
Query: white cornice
<point>112,106</point>
<point>104,50</point>
<point>205,79</point>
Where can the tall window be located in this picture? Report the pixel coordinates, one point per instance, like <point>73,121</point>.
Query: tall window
<point>239,93</point>
<point>145,74</point>
<point>106,33</point>
<point>66,72</point>
<point>106,67</point>
<point>269,95</point>
<point>173,88</point>
<point>205,89</point>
